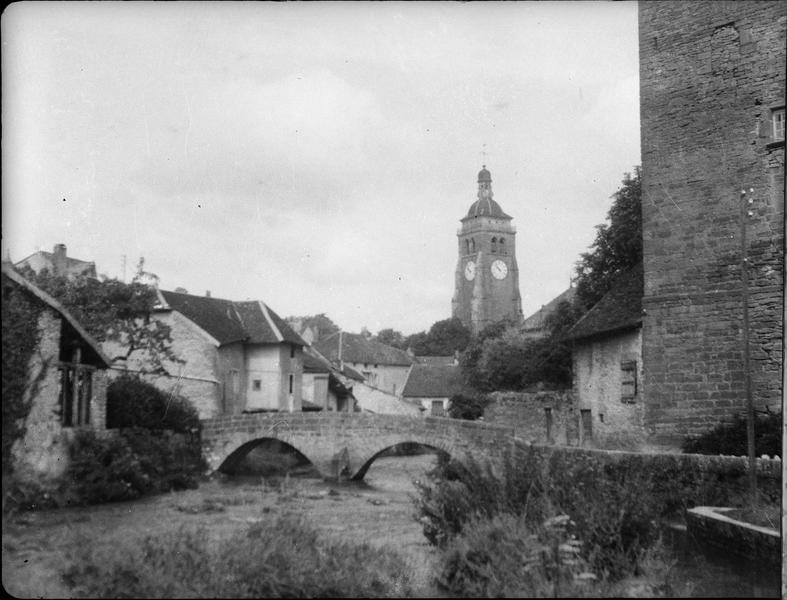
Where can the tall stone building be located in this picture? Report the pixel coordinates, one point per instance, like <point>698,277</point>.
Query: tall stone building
<point>712,77</point>
<point>487,276</point>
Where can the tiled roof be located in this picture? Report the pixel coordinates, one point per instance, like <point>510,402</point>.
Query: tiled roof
<point>536,321</point>
<point>73,266</point>
<point>434,381</point>
<point>356,348</point>
<point>312,364</point>
<point>619,309</point>
<point>229,321</point>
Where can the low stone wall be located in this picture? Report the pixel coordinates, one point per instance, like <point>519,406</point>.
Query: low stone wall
<point>712,526</point>
<point>701,479</point>
<point>547,416</point>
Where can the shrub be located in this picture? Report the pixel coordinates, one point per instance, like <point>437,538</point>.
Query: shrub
<point>612,504</point>
<point>270,559</point>
<point>504,557</point>
<point>128,465</point>
<point>132,402</point>
<point>731,438</point>
<point>469,408</point>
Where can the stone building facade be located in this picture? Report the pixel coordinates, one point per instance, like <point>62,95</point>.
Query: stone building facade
<point>712,77</point>
<point>487,276</point>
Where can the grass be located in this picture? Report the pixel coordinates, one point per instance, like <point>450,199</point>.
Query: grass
<point>280,557</point>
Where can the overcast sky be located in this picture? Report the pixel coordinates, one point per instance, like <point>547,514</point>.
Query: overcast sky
<point>316,156</point>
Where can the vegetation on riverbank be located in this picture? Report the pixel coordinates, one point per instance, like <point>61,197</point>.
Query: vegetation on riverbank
<point>577,528</point>
<point>280,557</point>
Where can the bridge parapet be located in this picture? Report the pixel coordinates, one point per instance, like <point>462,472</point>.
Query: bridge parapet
<point>346,444</point>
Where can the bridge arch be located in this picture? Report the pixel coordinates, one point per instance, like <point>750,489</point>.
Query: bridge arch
<point>368,459</point>
<point>235,458</point>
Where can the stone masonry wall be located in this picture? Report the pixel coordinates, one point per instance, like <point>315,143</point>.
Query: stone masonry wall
<point>710,75</point>
<point>526,412</point>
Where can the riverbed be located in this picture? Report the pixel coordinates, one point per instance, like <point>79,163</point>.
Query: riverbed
<point>378,511</point>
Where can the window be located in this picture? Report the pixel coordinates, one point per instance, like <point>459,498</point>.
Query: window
<point>777,122</point>
<point>292,379</point>
<point>292,351</point>
<point>628,381</point>
<point>548,415</point>
<point>437,408</point>
<point>502,246</point>
<point>76,391</point>
<point>494,245</point>
<point>256,385</point>
<point>472,244</point>
<point>467,246</point>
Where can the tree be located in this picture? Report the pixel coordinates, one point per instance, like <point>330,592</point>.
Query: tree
<point>392,337</point>
<point>618,243</point>
<point>115,313</point>
<point>321,325</point>
<point>444,339</point>
<point>503,357</point>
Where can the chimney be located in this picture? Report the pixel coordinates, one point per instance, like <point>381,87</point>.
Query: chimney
<point>59,259</point>
<point>207,293</point>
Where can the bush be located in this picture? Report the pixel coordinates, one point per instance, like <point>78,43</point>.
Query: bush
<point>504,557</point>
<point>469,408</point>
<point>271,559</point>
<point>128,465</point>
<point>132,402</point>
<point>732,439</point>
<point>612,504</point>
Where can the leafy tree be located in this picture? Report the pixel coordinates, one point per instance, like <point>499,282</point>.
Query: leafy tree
<point>320,324</point>
<point>392,338</point>
<point>503,357</point>
<point>444,338</point>
<point>618,243</point>
<point>132,402</point>
<point>113,312</point>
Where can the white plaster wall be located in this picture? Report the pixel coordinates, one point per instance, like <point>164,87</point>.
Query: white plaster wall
<point>389,378</point>
<point>377,401</point>
<point>597,381</point>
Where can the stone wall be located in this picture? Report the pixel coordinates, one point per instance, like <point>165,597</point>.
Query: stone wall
<point>710,75</point>
<point>529,412</point>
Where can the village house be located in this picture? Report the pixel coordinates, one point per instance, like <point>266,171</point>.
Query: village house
<point>58,262</point>
<point>233,357</point>
<point>432,382</point>
<point>323,388</point>
<point>383,367</point>
<point>607,362</point>
<point>66,385</point>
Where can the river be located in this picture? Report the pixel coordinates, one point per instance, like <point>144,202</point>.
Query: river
<point>378,510</point>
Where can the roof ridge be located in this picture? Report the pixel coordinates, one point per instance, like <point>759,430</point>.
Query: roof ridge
<point>270,321</point>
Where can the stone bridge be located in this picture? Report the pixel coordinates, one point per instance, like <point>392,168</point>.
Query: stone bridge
<point>344,445</point>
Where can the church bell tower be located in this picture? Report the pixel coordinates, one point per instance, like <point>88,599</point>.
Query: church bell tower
<point>487,276</point>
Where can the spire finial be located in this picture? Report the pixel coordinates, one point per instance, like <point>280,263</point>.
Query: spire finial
<point>483,156</point>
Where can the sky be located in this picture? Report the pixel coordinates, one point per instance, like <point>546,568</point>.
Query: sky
<point>316,156</point>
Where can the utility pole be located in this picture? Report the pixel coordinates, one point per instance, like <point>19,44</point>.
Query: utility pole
<point>745,215</point>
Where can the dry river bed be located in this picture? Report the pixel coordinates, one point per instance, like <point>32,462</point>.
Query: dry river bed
<point>378,511</point>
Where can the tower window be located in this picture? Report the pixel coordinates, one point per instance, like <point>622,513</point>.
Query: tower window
<point>502,246</point>
<point>467,246</point>
<point>494,245</point>
<point>472,244</point>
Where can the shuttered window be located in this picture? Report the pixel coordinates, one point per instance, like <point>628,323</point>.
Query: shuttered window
<point>628,381</point>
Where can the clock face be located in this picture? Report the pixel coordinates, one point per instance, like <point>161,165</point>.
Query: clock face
<point>470,270</point>
<point>499,269</point>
